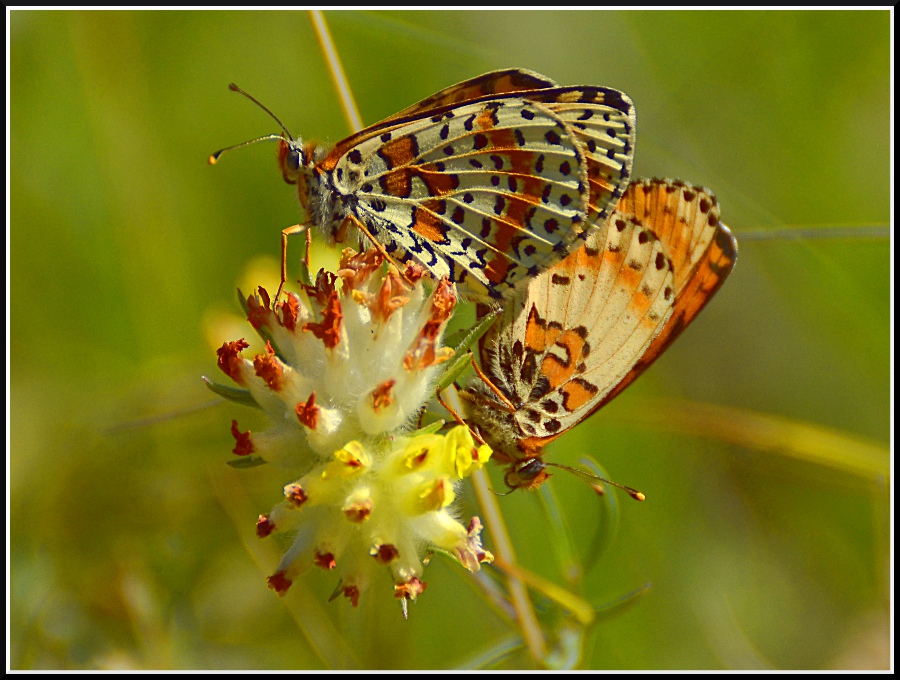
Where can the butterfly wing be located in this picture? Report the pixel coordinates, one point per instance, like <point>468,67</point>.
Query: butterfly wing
<point>703,252</point>
<point>489,181</point>
<point>601,118</point>
<point>487,195</point>
<point>492,83</point>
<point>603,122</point>
<point>586,328</point>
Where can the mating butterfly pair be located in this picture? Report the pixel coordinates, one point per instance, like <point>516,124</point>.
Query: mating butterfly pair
<point>497,179</point>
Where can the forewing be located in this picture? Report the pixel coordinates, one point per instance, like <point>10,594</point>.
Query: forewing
<point>601,118</point>
<point>603,121</point>
<point>489,181</point>
<point>487,194</point>
<point>495,82</point>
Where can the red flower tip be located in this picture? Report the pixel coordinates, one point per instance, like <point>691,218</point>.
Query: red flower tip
<point>269,368</point>
<point>258,313</point>
<point>356,268</point>
<point>410,590</point>
<point>243,445</point>
<point>295,495</point>
<point>383,395</point>
<point>352,594</point>
<point>413,272</point>
<point>385,554</point>
<point>308,413</point>
<point>290,311</point>
<point>264,526</point>
<point>278,582</point>
<point>230,360</point>
<point>329,330</point>
<point>423,354</point>
<point>391,296</point>
<point>358,512</point>
<point>323,289</point>
<point>324,560</point>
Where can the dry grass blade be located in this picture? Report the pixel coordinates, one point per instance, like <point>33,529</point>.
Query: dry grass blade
<point>767,432</point>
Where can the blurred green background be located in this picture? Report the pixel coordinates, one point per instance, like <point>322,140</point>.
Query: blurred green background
<point>131,542</point>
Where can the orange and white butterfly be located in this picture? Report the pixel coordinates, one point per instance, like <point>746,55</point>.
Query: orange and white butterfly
<point>586,328</point>
<point>487,182</point>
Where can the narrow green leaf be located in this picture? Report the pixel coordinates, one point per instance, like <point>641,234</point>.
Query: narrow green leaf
<point>238,395</point>
<point>607,521</point>
<point>622,604</point>
<point>582,610</point>
<point>773,433</point>
<point>462,358</point>
<point>242,301</point>
<point>431,428</point>
<point>246,462</point>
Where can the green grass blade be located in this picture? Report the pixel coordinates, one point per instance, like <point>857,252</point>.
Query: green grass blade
<point>461,358</point>
<point>238,395</point>
<point>607,519</point>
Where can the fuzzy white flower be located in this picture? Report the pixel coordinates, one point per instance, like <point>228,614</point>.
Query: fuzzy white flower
<point>344,377</point>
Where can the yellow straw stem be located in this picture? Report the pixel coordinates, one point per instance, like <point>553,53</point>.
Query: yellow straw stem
<point>354,120</point>
<point>494,523</point>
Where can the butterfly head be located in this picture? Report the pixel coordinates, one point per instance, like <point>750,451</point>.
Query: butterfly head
<point>530,473</point>
<point>293,155</point>
<point>527,473</point>
<point>292,158</point>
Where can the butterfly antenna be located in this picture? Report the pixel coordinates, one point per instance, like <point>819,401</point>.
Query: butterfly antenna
<point>634,493</point>
<point>215,157</point>
<point>234,88</point>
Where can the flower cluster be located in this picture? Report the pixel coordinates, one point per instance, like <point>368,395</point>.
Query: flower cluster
<point>344,376</point>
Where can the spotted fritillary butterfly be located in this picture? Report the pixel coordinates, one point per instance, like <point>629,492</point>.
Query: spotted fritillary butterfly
<point>584,329</point>
<point>488,182</point>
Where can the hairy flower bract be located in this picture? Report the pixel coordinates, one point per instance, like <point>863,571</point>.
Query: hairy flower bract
<point>346,372</point>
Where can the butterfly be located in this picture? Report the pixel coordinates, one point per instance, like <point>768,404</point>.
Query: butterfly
<point>584,329</point>
<point>487,182</point>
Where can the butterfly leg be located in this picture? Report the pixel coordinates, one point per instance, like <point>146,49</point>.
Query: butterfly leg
<point>356,222</point>
<point>296,229</point>
<point>308,247</point>
<point>487,381</point>
<point>458,418</point>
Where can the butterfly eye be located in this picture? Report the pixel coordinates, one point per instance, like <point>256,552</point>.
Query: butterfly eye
<point>528,469</point>
<point>290,159</point>
<point>294,158</point>
<point>528,473</point>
